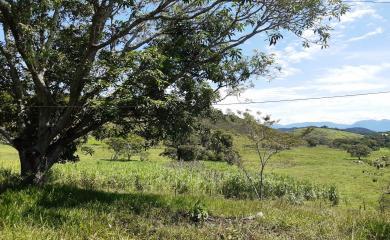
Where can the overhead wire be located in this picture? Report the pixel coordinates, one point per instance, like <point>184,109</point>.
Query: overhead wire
<point>226,104</point>
<point>303,99</point>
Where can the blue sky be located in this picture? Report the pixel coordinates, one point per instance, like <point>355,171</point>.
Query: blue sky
<point>357,61</point>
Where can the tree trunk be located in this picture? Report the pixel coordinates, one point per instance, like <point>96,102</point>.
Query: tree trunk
<point>31,168</point>
<point>35,165</point>
<point>261,182</point>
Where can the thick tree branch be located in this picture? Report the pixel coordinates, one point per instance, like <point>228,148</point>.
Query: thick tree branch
<point>153,15</point>
<point>28,57</point>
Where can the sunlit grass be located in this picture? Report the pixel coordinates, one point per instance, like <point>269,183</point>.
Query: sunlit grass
<point>97,198</point>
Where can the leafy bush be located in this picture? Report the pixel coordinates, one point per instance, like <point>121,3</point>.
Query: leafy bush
<point>129,146</point>
<point>220,141</point>
<point>204,144</point>
<point>188,152</point>
<point>333,195</point>
<point>359,151</point>
<point>198,213</point>
<point>232,157</point>
<point>374,142</point>
<point>312,141</point>
<point>237,187</point>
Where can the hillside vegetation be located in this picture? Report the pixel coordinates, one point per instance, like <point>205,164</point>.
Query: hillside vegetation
<point>328,133</point>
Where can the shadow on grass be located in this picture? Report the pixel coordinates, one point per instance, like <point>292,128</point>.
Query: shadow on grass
<point>59,205</point>
<point>64,196</point>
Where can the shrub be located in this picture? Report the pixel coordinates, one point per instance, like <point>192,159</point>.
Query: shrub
<point>312,141</point>
<point>188,152</point>
<point>128,146</point>
<point>198,213</point>
<point>333,195</point>
<point>209,155</point>
<point>232,157</point>
<point>237,187</point>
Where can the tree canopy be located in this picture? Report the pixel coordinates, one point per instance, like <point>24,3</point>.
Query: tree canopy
<point>68,67</point>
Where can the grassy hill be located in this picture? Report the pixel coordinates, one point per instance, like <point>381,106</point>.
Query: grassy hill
<point>328,133</point>
<point>236,126</point>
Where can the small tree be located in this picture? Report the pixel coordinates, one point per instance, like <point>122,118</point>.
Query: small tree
<point>359,150</point>
<point>129,146</point>
<point>267,143</point>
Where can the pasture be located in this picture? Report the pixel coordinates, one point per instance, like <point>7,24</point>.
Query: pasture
<point>97,198</point>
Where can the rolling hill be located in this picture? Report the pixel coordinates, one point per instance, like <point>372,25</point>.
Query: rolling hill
<point>328,133</point>
<point>373,125</point>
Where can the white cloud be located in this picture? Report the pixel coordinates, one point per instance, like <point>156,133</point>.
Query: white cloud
<point>377,31</point>
<point>352,87</point>
<point>357,73</point>
<point>353,74</point>
<point>369,55</point>
<point>343,80</point>
<point>290,55</point>
<point>359,11</point>
<point>265,94</point>
<point>295,53</point>
<point>340,110</point>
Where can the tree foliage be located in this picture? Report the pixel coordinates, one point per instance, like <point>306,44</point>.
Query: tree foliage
<point>359,150</point>
<point>129,146</point>
<point>202,143</point>
<point>68,67</point>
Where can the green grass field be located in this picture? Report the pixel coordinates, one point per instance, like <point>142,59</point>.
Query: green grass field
<point>101,199</point>
<point>359,184</point>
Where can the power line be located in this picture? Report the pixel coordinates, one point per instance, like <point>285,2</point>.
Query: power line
<point>225,104</point>
<point>302,99</point>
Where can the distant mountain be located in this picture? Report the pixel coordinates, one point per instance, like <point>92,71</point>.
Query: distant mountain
<point>372,125</point>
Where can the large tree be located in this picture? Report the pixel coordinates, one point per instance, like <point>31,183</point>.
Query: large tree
<point>68,67</point>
